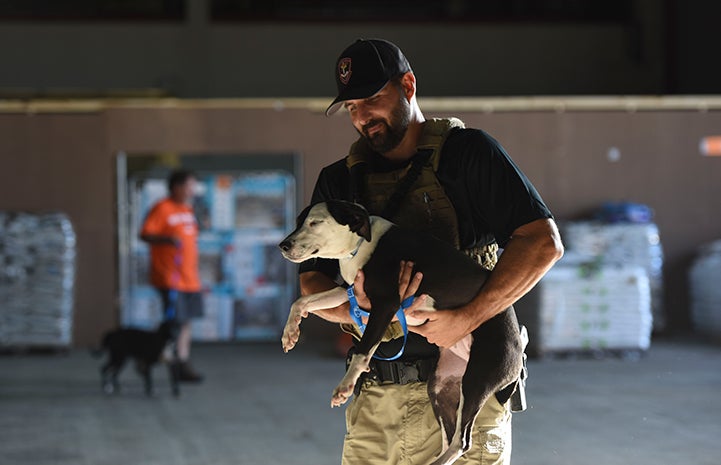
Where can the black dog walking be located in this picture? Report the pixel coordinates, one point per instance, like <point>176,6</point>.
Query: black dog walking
<point>145,347</point>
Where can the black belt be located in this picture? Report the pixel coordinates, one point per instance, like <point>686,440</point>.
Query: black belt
<point>402,372</point>
<point>396,371</point>
<point>405,372</point>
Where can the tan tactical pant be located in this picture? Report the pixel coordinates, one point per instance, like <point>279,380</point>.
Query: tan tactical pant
<point>393,424</point>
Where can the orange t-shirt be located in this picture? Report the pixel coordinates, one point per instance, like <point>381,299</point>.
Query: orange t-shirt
<point>173,267</point>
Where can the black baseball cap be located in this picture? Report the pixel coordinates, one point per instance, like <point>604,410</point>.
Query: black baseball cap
<point>364,68</point>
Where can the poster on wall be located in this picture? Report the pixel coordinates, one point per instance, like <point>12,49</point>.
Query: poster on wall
<point>247,286</point>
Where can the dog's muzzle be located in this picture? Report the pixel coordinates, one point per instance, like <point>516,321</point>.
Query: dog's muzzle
<point>294,254</point>
<point>285,246</point>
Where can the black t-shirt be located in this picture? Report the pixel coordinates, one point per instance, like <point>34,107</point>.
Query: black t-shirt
<point>490,194</point>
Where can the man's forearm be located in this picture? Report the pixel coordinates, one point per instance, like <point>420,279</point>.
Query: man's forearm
<point>312,282</point>
<point>530,253</point>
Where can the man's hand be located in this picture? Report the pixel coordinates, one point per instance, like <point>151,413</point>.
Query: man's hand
<point>443,328</point>
<point>408,283</point>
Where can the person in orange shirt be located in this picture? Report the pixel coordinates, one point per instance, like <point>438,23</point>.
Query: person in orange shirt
<point>171,230</point>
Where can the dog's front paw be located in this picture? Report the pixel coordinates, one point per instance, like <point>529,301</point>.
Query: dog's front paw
<point>341,394</point>
<point>291,334</point>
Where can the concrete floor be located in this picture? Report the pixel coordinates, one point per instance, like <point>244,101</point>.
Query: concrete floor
<point>259,406</point>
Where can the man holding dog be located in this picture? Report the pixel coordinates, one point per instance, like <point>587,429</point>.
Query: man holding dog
<point>458,184</point>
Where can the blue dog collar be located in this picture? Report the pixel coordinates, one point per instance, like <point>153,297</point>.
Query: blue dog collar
<point>357,314</point>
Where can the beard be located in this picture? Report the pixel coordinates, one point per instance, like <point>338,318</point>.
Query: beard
<point>393,131</point>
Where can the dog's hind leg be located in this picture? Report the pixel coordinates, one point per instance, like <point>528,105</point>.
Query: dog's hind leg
<point>490,368</point>
<point>106,382</point>
<point>460,438</point>
<point>444,388</point>
<point>109,374</point>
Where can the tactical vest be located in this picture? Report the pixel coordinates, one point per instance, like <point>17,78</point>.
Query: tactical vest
<point>412,196</point>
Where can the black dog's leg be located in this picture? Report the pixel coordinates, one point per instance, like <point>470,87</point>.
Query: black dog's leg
<point>143,368</point>
<point>495,358</point>
<point>379,319</point>
<point>476,390</point>
<point>174,369</point>
<point>495,361</point>
<point>110,371</point>
<point>476,395</point>
<point>444,388</point>
<point>106,382</point>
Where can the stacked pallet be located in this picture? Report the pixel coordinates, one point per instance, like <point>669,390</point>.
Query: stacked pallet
<point>603,296</point>
<point>615,244</point>
<point>594,309</point>
<point>37,278</point>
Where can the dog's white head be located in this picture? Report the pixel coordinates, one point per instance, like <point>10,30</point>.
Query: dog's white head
<point>332,229</point>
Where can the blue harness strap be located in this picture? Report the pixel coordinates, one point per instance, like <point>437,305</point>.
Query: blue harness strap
<point>357,314</point>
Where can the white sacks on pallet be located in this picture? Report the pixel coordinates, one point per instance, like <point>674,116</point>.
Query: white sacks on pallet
<point>37,279</point>
<point>599,308</point>
<point>705,290</point>
<point>636,244</point>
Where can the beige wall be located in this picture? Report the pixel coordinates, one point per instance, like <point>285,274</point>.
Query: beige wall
<point>60,162</point>
<point>64,161</point>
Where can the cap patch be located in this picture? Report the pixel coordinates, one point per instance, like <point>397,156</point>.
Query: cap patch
<point>344,70</point>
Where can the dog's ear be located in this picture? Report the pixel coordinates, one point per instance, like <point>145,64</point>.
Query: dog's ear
<point>300,219</point>
<point>352,214</point>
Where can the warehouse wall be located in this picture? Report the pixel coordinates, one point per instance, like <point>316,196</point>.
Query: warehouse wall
<point>65,161</point>
<point>60,162</point>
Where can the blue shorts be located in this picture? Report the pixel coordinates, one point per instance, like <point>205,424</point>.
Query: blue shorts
<point>183,306</point>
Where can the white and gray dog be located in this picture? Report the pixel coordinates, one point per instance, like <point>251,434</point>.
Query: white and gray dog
<point>467,374</point>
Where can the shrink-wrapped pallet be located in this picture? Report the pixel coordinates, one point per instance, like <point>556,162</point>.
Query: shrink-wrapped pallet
<point>37,279</point>
<point>587,307</point>
<point>606,308</point>
<point>622,243</point>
